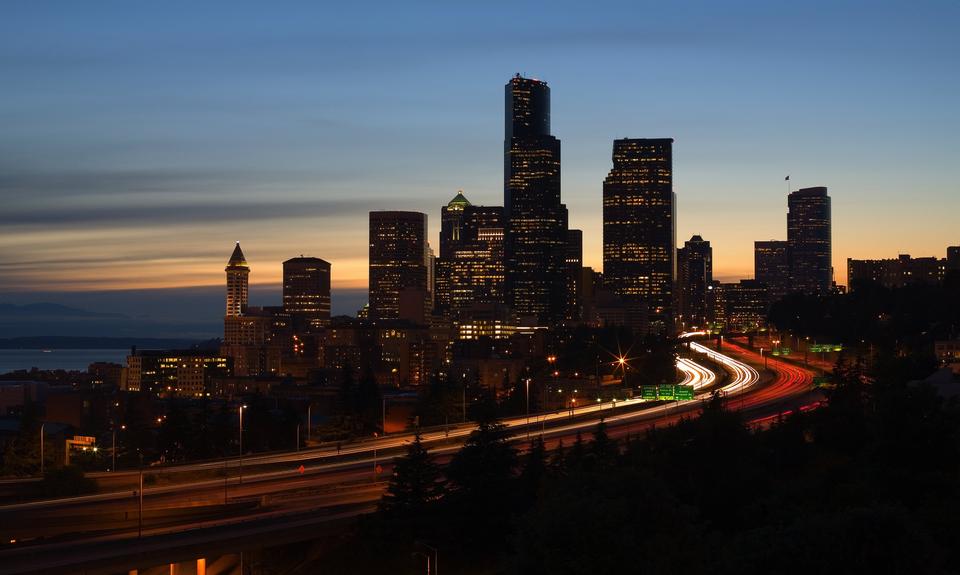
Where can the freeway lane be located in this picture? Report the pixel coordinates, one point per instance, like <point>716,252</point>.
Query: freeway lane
<point>326,485</point>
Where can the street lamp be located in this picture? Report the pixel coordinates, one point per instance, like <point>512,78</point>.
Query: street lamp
<point>242,407</point>
<point>41,447</point>
<point>528,407</point>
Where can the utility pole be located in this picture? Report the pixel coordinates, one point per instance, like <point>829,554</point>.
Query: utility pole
<point>241,443</point>
<point>41,447</point>
<point>140,504</point>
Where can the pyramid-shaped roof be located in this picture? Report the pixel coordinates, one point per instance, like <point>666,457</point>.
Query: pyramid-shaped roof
<point>459,200</point>
<point>237,259</point>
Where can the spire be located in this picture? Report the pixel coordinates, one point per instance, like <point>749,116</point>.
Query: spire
<point>237,259</point>
<point>459,201</point>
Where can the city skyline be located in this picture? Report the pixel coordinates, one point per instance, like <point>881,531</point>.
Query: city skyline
<point>103,205</point>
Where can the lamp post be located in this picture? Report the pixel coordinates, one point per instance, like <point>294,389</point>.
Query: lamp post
<point>375,455</point>
<point>528,408</point>
<point>113,451</point>
<point>41,447</point>
<point>140,503</point>
<point>241,442</point>
<point>309,421</point>
<point>436,558</point>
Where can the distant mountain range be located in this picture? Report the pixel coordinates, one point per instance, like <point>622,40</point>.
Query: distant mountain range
<point>45,319</point>
<point>62,342</point>
<point>51,310</point>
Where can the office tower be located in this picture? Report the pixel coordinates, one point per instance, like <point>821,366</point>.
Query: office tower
<point>398,256</point>
<point>470,268</point>
<point>896,272</point>
<point>694,274</point>
<point>306,292</point>
<point>574,264</point>
<point>238,273</point>
<point>953,258</point>
<point>536,222</point>
<point>809,239</point>
<point>740,307</point>
<point>639,238</point>
<point>771,266</point>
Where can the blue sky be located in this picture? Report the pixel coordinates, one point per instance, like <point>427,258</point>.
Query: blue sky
<point>139,140</point>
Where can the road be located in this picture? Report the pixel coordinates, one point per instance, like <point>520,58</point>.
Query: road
<point>336,484</point>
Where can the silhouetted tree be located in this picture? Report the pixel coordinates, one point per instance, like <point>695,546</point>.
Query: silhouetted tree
<point>416,482</point>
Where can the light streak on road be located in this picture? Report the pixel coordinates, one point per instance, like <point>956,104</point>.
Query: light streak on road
<point>744,376</point>
<point>694,374</point>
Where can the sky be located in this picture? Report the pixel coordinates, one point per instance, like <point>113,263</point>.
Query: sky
<point>140,140</point>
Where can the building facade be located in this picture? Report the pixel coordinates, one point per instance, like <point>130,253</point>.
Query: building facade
<point>306,292</point>
<point>694,276</point>
<point>639,233</point>
<point>535,219</point>
<point>810,241</point>
<point>398,261</point>
<point>771,266</point>
<point>471,263</point>
<point>740,307</point>
<point>896,272</point>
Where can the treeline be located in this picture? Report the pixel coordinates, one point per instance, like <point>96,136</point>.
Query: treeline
<point>910,317</point>
<point>868,483</point>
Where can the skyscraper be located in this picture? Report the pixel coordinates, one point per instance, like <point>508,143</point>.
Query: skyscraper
<point>771,267</point>
<point>694,274</point>
<point>574,263</point>
<point>809,239</point>
<point>306,292</point>
<point>398,257</point>
<point>471,267</point>
<point>953,258</point>
<point>536,222</point>
<point>639,234</point>
<point>238,278</point>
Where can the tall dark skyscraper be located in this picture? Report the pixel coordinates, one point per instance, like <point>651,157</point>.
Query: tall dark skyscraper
<point>398,260</point>
<point>694,275</point>
<point>771,267</point>
<point>809,239</point>
<point>306,291</point>
<point>639,233</point>
<point>574,262</point>
<point>471,267</point>
<point>535,233</point>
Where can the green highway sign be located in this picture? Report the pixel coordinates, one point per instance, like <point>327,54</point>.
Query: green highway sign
<point>825,347</point>
<point>649,392</point>
<point>684,392</point>
<point>666,392</point>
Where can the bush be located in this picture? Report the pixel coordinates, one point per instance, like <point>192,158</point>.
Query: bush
<point>67,481</point>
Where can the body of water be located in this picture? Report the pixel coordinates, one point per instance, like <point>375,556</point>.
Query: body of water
<point>69,359</point>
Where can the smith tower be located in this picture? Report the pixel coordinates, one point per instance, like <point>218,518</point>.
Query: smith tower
<point>535,230</point>
<point>238,278</point>
<point>639,227</point>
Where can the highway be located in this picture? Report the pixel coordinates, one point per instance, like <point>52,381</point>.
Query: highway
<point>349,481</point>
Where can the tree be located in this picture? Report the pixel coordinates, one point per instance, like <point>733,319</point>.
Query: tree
<point>66,481</point>
<point>534,468</point>
<point>604,451</point>
<point>486,463</point>
<point>416,483</point>
<point>368,406</point>
<point>22,455</point>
